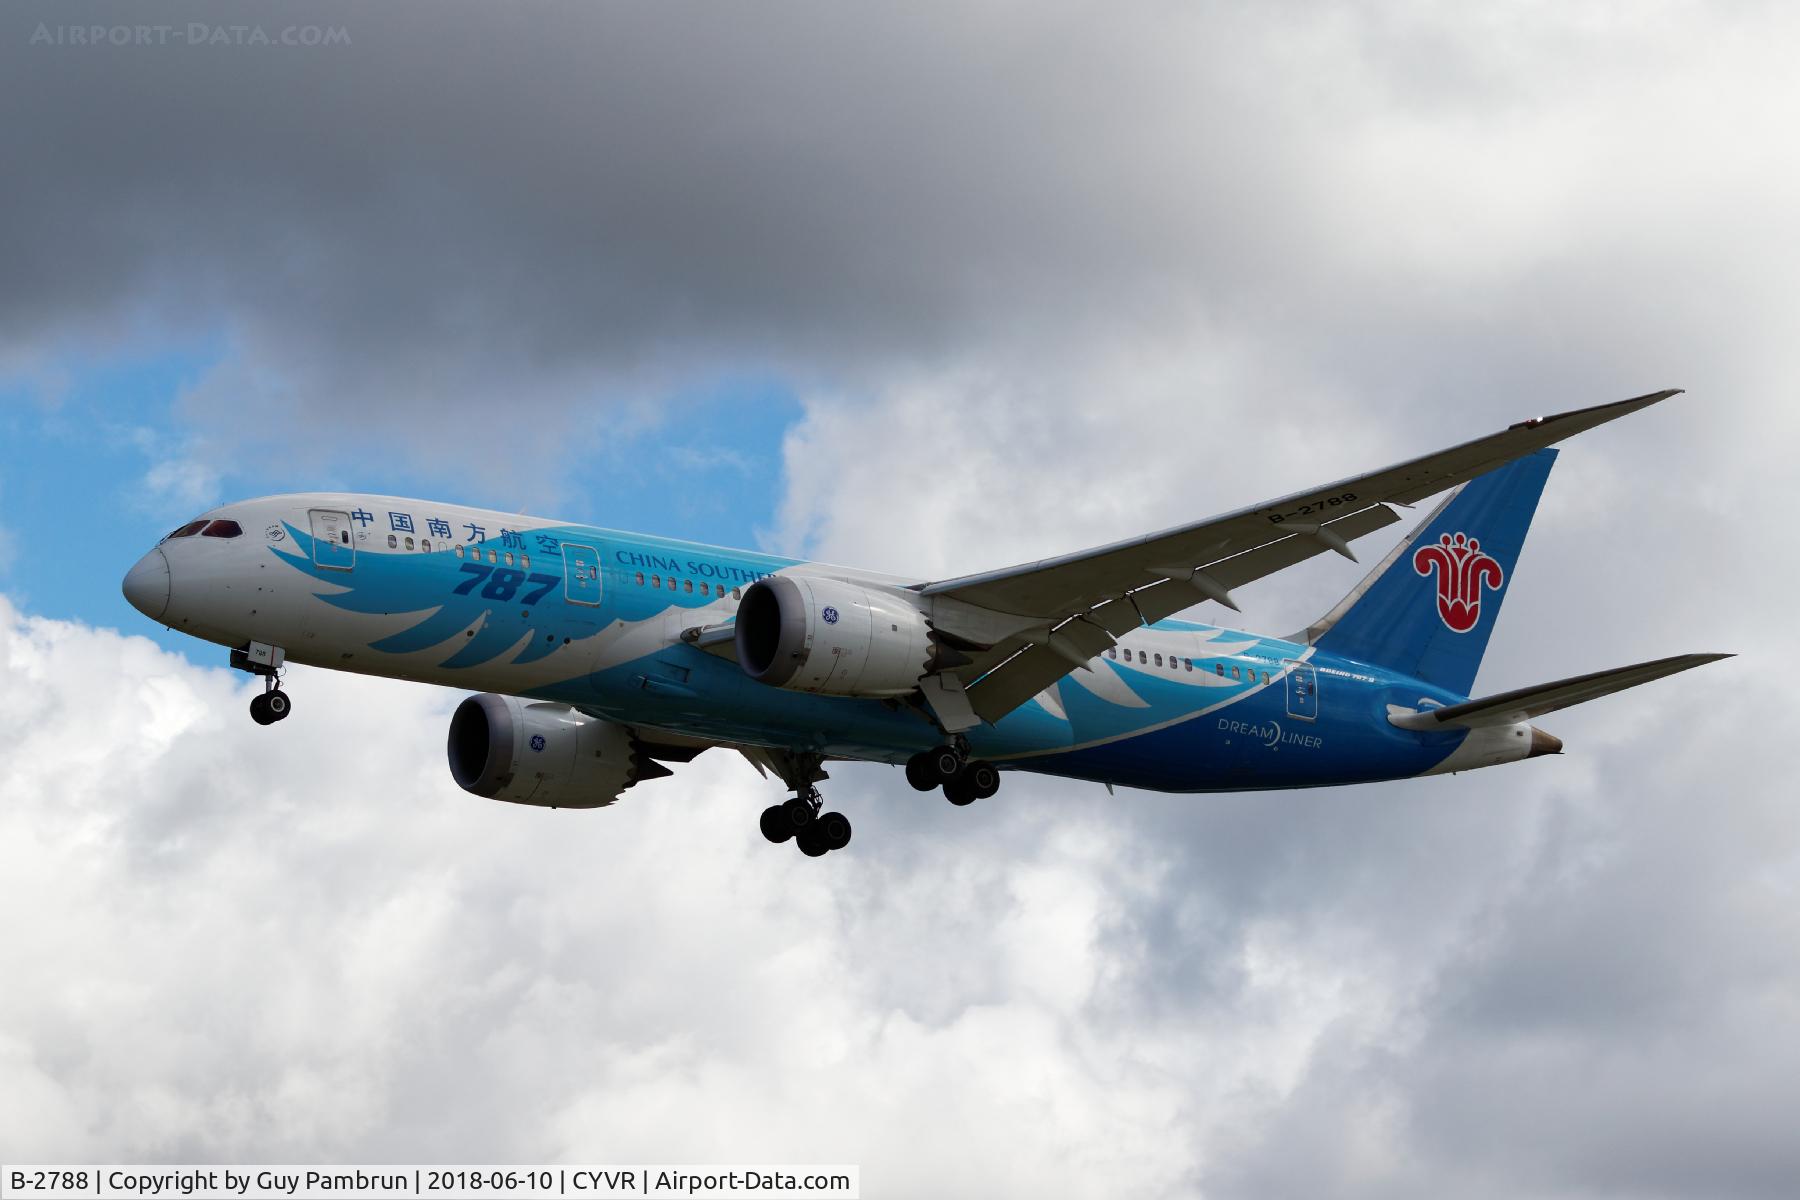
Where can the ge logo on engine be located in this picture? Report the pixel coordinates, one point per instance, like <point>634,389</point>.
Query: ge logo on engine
<point>537,742</point>
<point>829,615</point>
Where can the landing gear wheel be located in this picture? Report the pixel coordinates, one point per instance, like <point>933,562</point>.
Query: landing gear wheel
<point>811,840</point>
<point>921,773</point>
<point>775,824</point>
<point>277,705</point>
<point>960,790</point>
<point>259,709</point>
<point>945,762</point>
<point>799,813</point>
<point>833,830</point>
<point>983,777</point>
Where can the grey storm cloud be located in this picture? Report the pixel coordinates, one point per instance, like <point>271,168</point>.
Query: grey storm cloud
<point>558,204</point>
<point>594,187</point>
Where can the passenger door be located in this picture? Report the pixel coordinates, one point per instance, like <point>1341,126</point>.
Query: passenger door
<point>332,546</point>
<point>1302,692</point>
<point>581,574</point>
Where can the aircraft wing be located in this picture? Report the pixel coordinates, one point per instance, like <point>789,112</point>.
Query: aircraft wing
<point>1085,601</point>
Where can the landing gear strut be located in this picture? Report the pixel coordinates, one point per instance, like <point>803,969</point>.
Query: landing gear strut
<point>815,833</point>
<point>273,705</point>
<point>963,779</point>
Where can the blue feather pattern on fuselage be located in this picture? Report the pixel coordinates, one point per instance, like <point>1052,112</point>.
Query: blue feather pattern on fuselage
<point>1139,724</point>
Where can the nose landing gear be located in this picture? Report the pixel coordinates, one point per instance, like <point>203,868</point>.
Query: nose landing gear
<point>264,660</point>
<point>273,705</point>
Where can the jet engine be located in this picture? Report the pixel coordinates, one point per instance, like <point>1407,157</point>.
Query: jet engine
<point>532,752</point>
<point>824,635</point>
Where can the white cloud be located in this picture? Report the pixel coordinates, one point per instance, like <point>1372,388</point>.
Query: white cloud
<point>185,484</point>
<point>304,942</point>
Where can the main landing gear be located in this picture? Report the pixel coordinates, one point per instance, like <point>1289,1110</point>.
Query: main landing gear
<point>815,833</point>
<point>963,779</point>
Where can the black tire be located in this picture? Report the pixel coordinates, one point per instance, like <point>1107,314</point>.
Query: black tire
<point>811,842</point>
<point>959,791</point>
<point>277,705</point>
<point>945,763</point>
<point>259,710</point>
<point>834,830</point>
<point>775,824</point>
<point>983,777</point>
<point>920,773</point>
<point>799,813</point>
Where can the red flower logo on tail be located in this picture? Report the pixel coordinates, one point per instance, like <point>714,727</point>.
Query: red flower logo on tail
<point>1461,569</point>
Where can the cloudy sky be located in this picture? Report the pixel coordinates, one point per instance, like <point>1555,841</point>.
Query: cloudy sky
<point>925,289</point>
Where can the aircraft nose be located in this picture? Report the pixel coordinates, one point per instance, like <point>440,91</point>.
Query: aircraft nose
<point>147,585</point>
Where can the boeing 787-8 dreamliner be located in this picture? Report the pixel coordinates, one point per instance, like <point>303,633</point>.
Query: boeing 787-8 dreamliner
<point>602,658</point>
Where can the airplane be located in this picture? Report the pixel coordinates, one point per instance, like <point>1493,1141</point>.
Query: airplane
<point>600,658</point>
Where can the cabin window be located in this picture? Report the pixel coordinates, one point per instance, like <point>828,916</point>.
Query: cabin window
<point>1142,657</point>
<point>1159,660</point>
<point>705,588</point>
<point>736,593</point>
<point>425,545</point>
<point>409,543</point>
<point>525,561</point>
<point>656,581</point>
<point>640,579</point>
<point>1234,672</point>
<point>393,542</point>
<point>1112,653</point>
<point>1219,667</point>
<point>1188,663</point>
<point>687,585</point>
<point>1265,677</point>
<point>222,529</point>
<point>493,556</point>
<point>188,530</point>
<point>509,558</point>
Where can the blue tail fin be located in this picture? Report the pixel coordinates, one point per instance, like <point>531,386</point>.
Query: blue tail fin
<point>1429,607</point>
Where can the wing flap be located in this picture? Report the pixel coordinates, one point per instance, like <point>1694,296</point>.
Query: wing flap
<point>1171,596</point>
<point>1524,704</point>
<point>1015,681</point>
<point>1037,666</point>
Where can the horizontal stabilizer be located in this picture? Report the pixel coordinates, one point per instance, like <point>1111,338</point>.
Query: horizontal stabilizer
<point>1527,703</point>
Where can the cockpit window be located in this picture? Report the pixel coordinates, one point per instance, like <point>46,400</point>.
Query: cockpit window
<point>225,529</point>
<point>188,530</point>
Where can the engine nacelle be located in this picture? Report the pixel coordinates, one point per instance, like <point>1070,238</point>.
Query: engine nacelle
<point>824,635</point>
<point>533,752</point>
